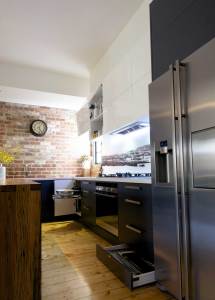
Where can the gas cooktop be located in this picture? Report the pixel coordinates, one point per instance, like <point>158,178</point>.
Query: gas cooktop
<point>127,175</point>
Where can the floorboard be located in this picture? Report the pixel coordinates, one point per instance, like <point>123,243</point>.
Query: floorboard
<point>70,269</point>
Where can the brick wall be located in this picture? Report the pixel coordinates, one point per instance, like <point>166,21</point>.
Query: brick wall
<point>54,155</point>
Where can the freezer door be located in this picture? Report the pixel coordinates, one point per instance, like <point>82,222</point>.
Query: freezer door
<point>198,126</point>
<point>164,188</point>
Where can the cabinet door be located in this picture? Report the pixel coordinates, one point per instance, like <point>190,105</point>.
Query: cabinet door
<point>47,203</point>
<point>173,25</point>
<point>88,203</point>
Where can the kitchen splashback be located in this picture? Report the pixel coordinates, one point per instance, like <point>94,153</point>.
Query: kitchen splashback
<point>127,153</point>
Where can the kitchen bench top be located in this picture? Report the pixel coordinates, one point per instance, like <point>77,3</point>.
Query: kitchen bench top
<point>140,180</point>
<point>47,178</point>
<point>11,184</point>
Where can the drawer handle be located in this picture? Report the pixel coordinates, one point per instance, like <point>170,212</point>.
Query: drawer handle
<point>133,202</point>
<point>132,187</point>
<point>85,182</point>
<point>132,228</point>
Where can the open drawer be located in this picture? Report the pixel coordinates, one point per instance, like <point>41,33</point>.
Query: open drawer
<point>123,261</point>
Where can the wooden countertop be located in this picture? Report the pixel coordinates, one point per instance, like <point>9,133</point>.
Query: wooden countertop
<point>20,246</point>
<point>11,184</point>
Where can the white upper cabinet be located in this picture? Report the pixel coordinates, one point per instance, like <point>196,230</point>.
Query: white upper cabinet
<point>125,72</point>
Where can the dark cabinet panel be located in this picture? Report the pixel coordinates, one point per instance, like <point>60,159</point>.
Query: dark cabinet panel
<point>47,203</point>
<point>178,28</point>
<point>164,13</point>
<point>88,185</point>
<point>88,203</point>
<point>135,218</point>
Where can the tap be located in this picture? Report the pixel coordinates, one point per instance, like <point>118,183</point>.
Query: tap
<point>26,169</point>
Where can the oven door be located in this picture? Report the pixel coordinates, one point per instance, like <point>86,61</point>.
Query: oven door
<point>107,211</point>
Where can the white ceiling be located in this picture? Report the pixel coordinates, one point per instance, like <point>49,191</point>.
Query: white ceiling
<point>62,35</point>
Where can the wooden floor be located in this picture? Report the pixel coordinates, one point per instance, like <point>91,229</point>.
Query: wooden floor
<point>70,269</point>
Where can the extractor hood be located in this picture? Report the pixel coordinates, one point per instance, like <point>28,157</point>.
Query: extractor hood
<point>130,128</point>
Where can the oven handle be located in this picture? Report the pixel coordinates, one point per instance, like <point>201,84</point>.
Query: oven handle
<point>106,195</point>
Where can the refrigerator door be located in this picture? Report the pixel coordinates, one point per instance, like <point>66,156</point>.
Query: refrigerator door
<point>198,127</point>
<point>166,226</point>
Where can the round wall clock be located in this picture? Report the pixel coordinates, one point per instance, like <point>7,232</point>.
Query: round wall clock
<point>38,128</point>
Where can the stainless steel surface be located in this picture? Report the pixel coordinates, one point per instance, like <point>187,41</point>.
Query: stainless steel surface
<point>200,110</point>
<point>168,168</point>
<point>132,228</point>
<point>180,84</point>
<point>165,195</point>
<point>182,112</point>
<point>203,155</point>
<point>65,197</point>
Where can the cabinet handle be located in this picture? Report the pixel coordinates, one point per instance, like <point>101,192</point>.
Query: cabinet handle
<point>132,228</point>
<point>133,202</point>
<point>85,207</point>
<point>105,195</point>
<point>86,192</point>
<point>85,182</point>
<point>132,187</point>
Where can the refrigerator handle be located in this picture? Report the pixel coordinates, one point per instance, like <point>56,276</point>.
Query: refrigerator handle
<point>176,172</point>
<point>180,102</point>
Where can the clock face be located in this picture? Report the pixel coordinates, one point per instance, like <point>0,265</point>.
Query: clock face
<point>38,128</point>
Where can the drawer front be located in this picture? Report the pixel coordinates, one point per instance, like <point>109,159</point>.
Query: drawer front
<point>135,213</point>
<point>135,191</point>
<point>140,238</point>
<point>132,210</point>
<point>124,273</point>
<point>135,204</point>
<point>130,233</point>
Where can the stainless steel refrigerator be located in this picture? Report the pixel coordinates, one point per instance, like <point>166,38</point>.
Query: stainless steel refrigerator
<point>182,117</point>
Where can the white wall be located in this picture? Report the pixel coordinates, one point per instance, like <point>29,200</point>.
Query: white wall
<point>125,72</point>
<point>38,98</point>
<point>17,76</point>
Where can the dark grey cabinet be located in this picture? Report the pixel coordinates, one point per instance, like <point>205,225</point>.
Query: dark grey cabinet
<point>178,28</point>
<point>88,203</point>
<point>132,259</point>
<point>134,214</point>
<point>135,217</point>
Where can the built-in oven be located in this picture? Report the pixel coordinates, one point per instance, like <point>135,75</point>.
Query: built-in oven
<point>107,207</point>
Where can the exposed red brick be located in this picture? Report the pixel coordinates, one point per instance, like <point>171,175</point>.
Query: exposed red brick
<point>48,156</point>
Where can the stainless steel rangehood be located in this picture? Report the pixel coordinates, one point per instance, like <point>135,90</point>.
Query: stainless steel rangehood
<point>130,128</point>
